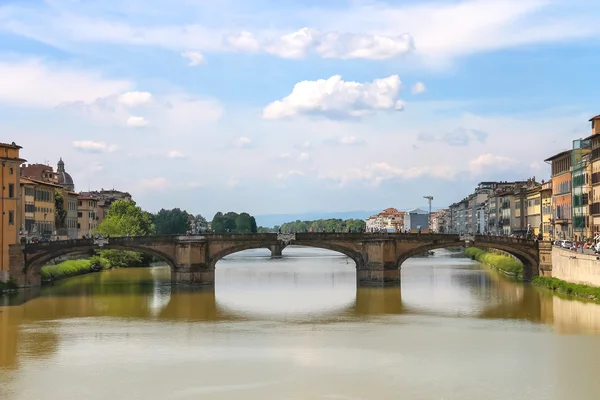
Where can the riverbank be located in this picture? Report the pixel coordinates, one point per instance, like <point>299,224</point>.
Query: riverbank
<point>71,268</point>
<point>566,288</point>
<point>505,264</point>
<point>106,259</point>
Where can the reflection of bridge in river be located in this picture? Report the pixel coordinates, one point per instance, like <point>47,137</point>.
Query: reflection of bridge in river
<point>163,303</point>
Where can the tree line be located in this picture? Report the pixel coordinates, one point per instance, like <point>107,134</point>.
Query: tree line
<point>329,225</point>
<point>233,222</point>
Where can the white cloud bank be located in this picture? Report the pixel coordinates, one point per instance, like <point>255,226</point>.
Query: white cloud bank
<point>89,146</point>
<point>335,98</point>
<point>135,99</point>
<point>194,58</point>
<point>137,122</point>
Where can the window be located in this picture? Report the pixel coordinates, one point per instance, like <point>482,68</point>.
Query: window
<point>11,171</point>
<point>78,226</point>
<point>11,190</point>
<point>11,217</point>
<point>79,214</point>
<point>80,203</point>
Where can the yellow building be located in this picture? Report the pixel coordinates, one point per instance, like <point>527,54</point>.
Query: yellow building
<point>87,216</point>
<point>38,205</point>
<point>11,202</point>
<point>546,198</point>
<point>533,210</point>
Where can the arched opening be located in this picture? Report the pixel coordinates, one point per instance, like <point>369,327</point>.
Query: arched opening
<point>68,262</point>
<point>305,281</point>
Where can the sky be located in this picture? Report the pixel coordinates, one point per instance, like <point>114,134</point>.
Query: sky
<point>285,106</point>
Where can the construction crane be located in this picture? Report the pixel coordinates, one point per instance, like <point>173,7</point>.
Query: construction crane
<point>429,198</point>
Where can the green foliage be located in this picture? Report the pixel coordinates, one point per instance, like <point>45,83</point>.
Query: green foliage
<point>234,223</point>
<point>124,259</point>
<point>60,214</point>
<point>329,225</point>
<point>66,269</point>
<point>172,222</point>
<point>567,288</point>
<point>99,263</point>
<point>124,218</point>
<point>503,263</point>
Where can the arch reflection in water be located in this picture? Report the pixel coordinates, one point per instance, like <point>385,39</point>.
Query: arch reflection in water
<point>250,284</point>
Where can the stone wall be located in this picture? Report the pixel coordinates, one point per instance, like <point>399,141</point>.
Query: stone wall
<point>575,267</point>
<point>3,276</point>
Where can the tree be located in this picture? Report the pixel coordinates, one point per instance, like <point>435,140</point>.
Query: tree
<point>234,222</point>
<point>124,217</point>
<point>329,225</point>
<point>60,214</point>
<point>172,222</point>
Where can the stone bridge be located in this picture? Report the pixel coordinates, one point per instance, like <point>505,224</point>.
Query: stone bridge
<point>378,256</point>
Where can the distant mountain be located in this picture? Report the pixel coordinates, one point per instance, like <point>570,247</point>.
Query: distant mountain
<point>270,220</point>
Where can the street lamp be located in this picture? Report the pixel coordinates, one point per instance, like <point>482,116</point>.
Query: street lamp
<point>429,198</point>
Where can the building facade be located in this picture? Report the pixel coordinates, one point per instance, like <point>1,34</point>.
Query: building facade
<point>104,198</point>
<point>11,202</point>
<point>38,221</point>
<point>562,199</point>
<point>546,199</point>
<point>87,218</point>
<point>533,210</point>
<point>390,220</point>
<point>594,209</point>
<point>416,220</point>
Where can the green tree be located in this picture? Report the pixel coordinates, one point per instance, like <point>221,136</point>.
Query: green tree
<point>329,225</point>
<point>124,218</point>
<point>172,222</point>
<point>234,223</point>
<point>60,214</point>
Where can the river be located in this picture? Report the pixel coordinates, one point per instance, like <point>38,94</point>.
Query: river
<point>297,328</point>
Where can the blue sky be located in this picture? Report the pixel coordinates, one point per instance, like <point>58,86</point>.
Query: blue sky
<point>296,106</point>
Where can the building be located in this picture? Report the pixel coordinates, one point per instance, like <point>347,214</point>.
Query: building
<point>63,181</point>
<point>87,217</point>
<point>63,177</point>
<point>390,220</point>
<point>38,218</point>
<point>546,199</point>
<point>506,211</point>
<point>562,199</point>
<point>594,209</point>
<point>11,202</point>
<point>416,220</point>
<point>493,226</point>
<point>581,188</point>
<point>104,198</point>
<point>533,210</point>
<point>440,221</point>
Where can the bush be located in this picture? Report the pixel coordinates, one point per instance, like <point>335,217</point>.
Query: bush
<point>504,263</point>
<point>99,263</point>
<point>123,259</point>
<point>66,269</point>
<point>570,289</point>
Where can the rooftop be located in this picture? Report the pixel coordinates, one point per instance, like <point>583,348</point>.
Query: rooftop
<point>561,154</point>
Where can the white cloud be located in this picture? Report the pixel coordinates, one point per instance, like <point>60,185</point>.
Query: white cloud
<point>418,88</point>
<point>490,162</point>
<point>374,174</point>
<point>233,182</point>
<point>336,98</point>
<point>304,157</point>
<point>32,83</point>
<point>288,174</point>
<point>175,154</point>
<point>194,58</point>
<point>89,146</point>
<point>371,30</point>
<point>243,142</point>
<point>350,141</point>
<point>159,183</point>
<point>137,122</point>
<point>285,155</point>
<point>135,99</point>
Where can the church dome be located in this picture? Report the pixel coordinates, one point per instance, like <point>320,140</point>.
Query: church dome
<point>64,179</point>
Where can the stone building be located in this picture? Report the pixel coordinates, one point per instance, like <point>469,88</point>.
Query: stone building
<point>87,217</point>
<point>104,198</point>
<point>10,202</point>
<point>389,219</point>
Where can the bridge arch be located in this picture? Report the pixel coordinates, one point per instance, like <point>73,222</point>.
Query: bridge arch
<point>352,253</point>
<point>34,264</point>
<point>530,263</point>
